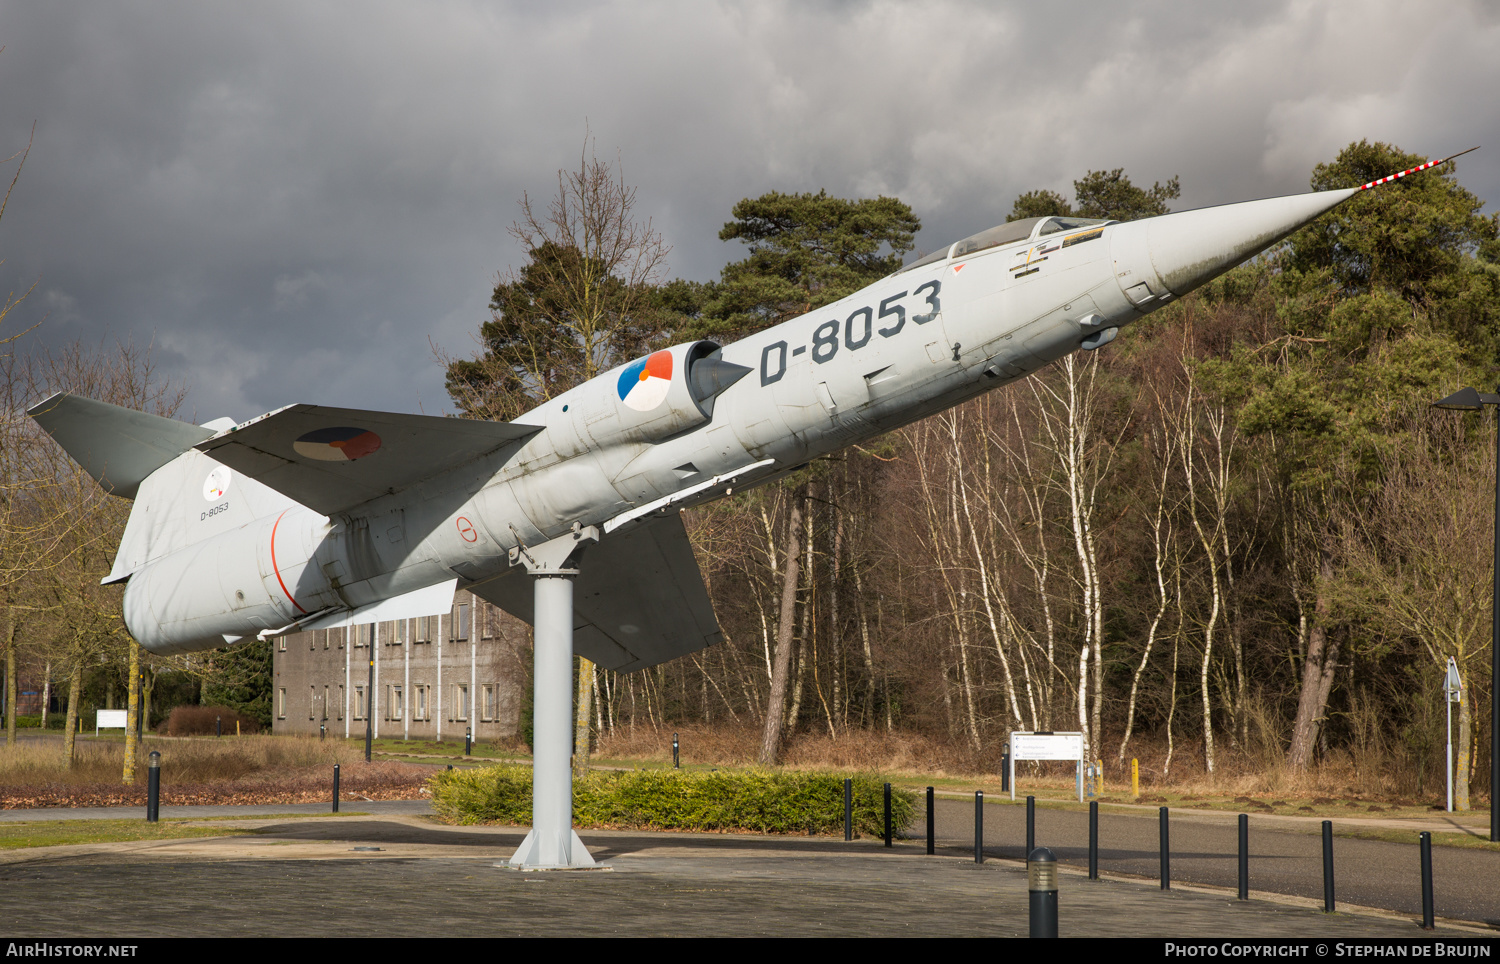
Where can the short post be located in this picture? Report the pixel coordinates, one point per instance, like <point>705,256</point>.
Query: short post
<point>848,808</point>
<point>1093,840</point>
<point>1135,777</point>
<point>218,726</point>
<point>1425,840</point>
<point>1041,882</point>
<point>1328,866</point>
<point>468,741</point>
<point>676,765</point>
<point>979,826</point>
<point>153,788</point>
<point>322,731</point>
<point>1005,768</point>
<point>1165,838</point>
<point>931,824</point>
<point>1030,824</point>
<point>887,814</point>
<point>335,788</point>
<point>1244,856</point>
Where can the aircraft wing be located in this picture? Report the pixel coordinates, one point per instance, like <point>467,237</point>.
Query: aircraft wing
<point>332,459</point>
<point>638,600</point>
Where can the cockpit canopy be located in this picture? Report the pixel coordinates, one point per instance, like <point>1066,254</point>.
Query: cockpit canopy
<point>1007,233</point>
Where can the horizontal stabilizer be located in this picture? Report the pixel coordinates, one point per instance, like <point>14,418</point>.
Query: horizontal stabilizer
<point>432,601</point>
<point>332,459</point>
<point>118,446</point>
<point>638,599</point>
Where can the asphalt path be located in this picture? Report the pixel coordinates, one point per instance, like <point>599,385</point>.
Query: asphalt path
<point>1286,854</point>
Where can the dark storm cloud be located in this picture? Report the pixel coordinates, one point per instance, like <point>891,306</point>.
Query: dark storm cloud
<point>293,202</point>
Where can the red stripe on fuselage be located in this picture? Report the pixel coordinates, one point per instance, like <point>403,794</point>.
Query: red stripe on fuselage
<point>275,568</point>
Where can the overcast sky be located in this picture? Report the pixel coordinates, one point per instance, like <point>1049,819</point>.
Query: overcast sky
<point>293,202</point>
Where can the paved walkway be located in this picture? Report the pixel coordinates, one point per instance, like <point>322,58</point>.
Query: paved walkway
<point>304,878</point>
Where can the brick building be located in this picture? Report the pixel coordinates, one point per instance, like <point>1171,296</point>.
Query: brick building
<point>434,676</point>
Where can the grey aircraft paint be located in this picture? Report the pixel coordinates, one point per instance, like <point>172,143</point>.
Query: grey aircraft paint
<point>312,516</point>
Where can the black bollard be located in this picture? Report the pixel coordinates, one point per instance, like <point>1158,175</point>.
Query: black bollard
<point>335,788</point>
<point>887,814</point>
<point>848,809</point>
<point>931,824</point>
<point>1425,840</point>
<point>1030,824</point>
<point>1093,840</point>
<point>1041,881</point>
<point>153,788</point>
<point>218,726</point>
<point>1166,850</point>
<point>1244,856</point>
<point>1005,768</point>
<point>468,741</point>
<point>675,764</point>
<point>1328,866</point>
<point>979,826</point>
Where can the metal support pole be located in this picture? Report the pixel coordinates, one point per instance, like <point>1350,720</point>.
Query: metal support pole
<point>370,697</point>
<point>979,826</point>
<point>848,808</point>
<point>1328,866</point>
<point>1093,840</point>
<point>1425,841</point>
<point>1030,824</point>
<point>1005,768</point>
<point>552,842</point>
<point>153,787</point>
<point>931,824</point>
<point>335,788</point>
<point>1244,856</point>
<point>1041,883</point>
<point>676,765</point>
<point>1165,837</point>
<point>887,814</point>
<point>468,741</point>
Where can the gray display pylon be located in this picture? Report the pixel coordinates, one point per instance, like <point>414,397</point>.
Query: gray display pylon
<point>552,843</point>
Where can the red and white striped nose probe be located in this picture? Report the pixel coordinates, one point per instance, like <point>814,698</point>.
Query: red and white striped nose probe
<point>1413,170</point>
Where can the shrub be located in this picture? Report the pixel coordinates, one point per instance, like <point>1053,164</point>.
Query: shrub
<point>199,721</point>
<point>759,801</point>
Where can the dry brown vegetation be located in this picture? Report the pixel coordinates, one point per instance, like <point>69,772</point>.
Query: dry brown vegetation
<point>245,770</point>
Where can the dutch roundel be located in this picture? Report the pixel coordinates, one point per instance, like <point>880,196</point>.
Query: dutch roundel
<point>337,444</point>
<point>644,384</point>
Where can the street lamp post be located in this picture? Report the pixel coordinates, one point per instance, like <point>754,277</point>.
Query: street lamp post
<point>1473,400</point>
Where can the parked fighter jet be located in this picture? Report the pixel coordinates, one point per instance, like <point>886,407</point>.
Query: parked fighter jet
<point>311,516</point>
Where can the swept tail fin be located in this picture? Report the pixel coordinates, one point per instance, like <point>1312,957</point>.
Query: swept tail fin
<point>119,447</point>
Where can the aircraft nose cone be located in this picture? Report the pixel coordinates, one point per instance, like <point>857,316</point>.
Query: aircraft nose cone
<point>1156,258</point>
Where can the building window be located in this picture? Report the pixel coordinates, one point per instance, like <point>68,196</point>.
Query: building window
<point>396,634</point>
<point>486,620</point>
<point>281,703</point>
<point>461,624</point>
<point>341,701</point>
<point>393,702</point>
<point>359,702</point>
<point>325,702</point>
<point>281,644</point>
<point>422,694</point>
<point>312,702</point>
<point>460,702</point>
<point>487,707</point>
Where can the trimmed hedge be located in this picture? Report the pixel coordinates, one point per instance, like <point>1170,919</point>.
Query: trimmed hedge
<point>757,801</point>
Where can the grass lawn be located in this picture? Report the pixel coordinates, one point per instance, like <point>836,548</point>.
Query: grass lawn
<point>56,833</point>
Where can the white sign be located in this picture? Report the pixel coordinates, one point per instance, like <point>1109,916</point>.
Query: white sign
<point>1046,746</point>
<point>110,719</point>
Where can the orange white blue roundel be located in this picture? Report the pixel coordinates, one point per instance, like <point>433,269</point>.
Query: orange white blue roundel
<point>644,384</point>
<point>342,444</point>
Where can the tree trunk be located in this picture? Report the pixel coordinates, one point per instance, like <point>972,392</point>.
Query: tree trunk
<point>770,741</point>
<point>132,713</point>
<point>1317,677</point>
<point>75,693</point>
<point>10,683</point>
<point>581,723</point>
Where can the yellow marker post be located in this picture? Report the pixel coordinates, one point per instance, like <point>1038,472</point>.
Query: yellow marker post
<point>1135,777</point>
<point>236,727</point>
